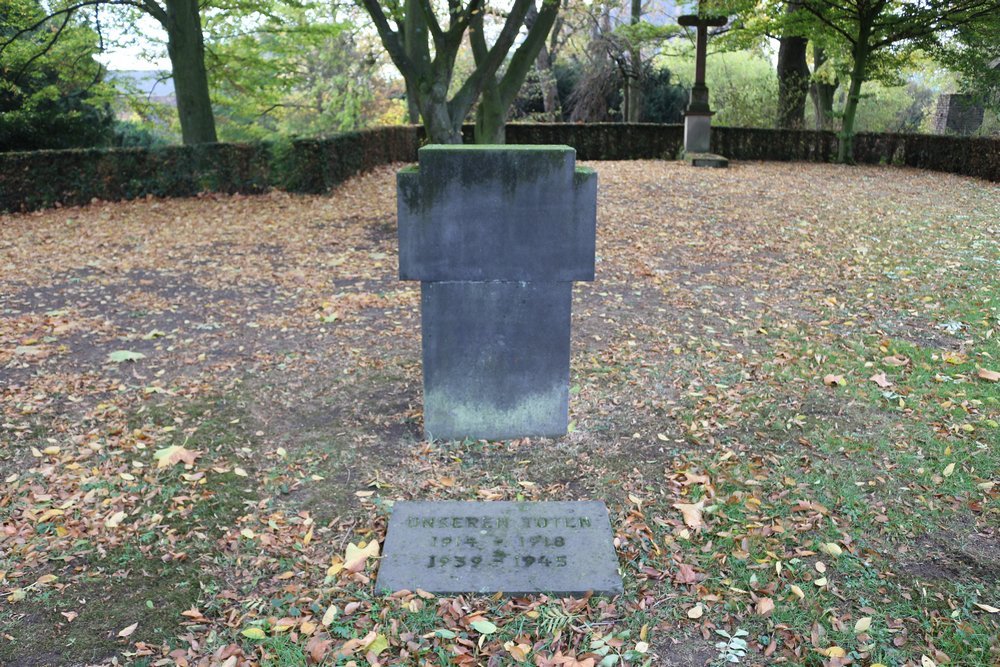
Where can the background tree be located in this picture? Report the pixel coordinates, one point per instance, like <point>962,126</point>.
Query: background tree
<point>879,32</point>
<point>52,93</point>
<point>429,77</point>
<point>181,19</point>
<point>297,69</point>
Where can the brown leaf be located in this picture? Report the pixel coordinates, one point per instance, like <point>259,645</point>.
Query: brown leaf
<point>881,380</point>
<point>988,375</point>
<point>692,513</point>
<point>765,606</point>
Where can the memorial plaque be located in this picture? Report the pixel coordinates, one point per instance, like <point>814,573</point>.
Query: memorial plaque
<point>449,547</point>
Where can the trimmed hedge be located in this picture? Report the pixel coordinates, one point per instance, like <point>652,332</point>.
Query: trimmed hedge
<point>37,179</point>
<point>71,177</point>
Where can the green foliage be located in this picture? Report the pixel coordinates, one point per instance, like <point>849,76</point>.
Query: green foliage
<point>51,94</point>
<point>742,86</point>
<point>292,69</point>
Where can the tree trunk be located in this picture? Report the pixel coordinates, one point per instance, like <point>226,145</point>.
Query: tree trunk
<point>491,116</point>
<point>845,148</point>
<point>822,93</point>
<point>187,60</point>
<point>633,88</point>
<point>546,76</point>
<point>793,79</point>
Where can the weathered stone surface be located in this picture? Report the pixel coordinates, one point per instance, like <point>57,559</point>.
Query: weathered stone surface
<point>697,132</point>
<point>496,359</point>
<point>497,213</point>
<point>563,548</point>
<point>706,160</point>
<point>496,234</point>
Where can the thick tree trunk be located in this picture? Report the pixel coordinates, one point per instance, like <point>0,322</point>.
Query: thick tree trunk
<point>491,117</point>
<point>187,59</point>
<point>822,93</point>
<point>845,149</point>
<point>793,79</point>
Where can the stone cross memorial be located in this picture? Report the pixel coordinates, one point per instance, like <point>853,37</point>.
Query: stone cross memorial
<point>562,548</point>
<point>496,235</point>
<point>698,117</point>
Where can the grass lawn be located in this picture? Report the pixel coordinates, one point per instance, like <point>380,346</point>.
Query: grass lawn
<point>784,386</point>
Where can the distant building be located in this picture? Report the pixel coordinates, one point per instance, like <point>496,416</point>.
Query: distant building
<point>148,85</point>
<point>957,114</point>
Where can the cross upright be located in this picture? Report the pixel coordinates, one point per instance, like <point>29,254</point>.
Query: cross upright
<point>698,117</point>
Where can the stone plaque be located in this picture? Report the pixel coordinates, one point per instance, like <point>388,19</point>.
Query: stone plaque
<point>450,547</point>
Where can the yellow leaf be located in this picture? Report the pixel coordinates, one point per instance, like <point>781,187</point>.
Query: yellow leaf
<point>253,633</point>
<point>831,549</point>
<point>927,662</point>
<point>127,631</point>
<point>798,592</point>
<point>379,644</point>
<point>307,627</point>
<point>695,612</point>
<point>331,613</point>
<point>820,566</point>
<point>949,470</point>
<point>247,533</point>
<point>820,582</point>
<point>17,595</point>
<point>46,579</point>
<point>356,556</point>
<point>51,451</point>
<point>989,609</point>
<point>174,454</point>
<point>862,625</point>
<point>835,652</point>
<point>114,520</point>
<point>240,472</point>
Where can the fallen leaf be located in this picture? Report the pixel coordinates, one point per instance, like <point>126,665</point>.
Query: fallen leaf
<point>115,519</point>
<point>70,615</point>
<point>118,356</point>
<point>356,556</point>
<point>174,454</point>
<point>331,613</point>
<point>128,631</point>
<point>949,470</point>
<point>834,380</point>
<point>881,380</point>
<point>989,609</point>
<point>863,624</point>
<point>695,612</point>
<point>831,549</point>
<point>895,360</point>
<point>253,633</point>
<point>988,375</point>
<point>483,627</point>
<point>692,513</point>
<point>765,606</point>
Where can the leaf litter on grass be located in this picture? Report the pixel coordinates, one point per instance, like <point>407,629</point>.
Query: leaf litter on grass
<point>271,364</point>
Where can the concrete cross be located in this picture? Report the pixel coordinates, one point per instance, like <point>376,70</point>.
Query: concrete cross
<point>496,235</point>
<point>698,117</point>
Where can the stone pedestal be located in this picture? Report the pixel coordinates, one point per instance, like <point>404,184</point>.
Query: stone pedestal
<point>496,235</point>
<point>697,131</point>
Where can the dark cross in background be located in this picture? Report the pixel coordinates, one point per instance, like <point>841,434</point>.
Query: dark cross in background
<point>697,119</point>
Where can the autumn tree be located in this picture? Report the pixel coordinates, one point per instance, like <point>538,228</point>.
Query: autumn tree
<point>424,51</point>
<point>874,30</point>
<point>181,19</point>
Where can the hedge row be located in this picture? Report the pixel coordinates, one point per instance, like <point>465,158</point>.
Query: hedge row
<point>41,178</point>
<point>37,179</point>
